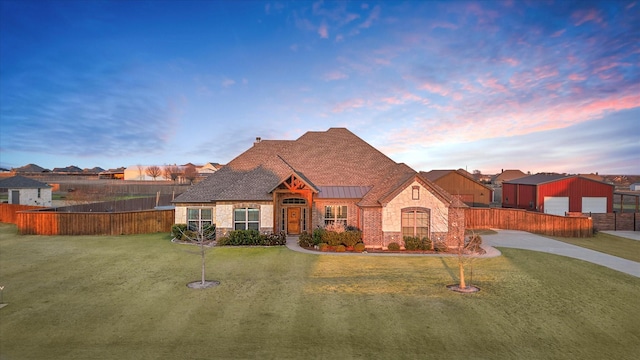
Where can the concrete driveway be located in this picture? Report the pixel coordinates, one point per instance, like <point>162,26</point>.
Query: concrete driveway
<point>524,240</point>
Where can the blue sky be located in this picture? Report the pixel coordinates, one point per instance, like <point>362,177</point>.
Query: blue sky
<point>530,85</point>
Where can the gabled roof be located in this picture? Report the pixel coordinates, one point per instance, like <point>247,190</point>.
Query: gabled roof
<point>327,160</point>
<point>544,178</point>
<point>508,175</point>
<point>30,168</point>
<point>434,175</point>
<point>21,182</point>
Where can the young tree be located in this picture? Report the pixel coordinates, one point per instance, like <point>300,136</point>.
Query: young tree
<point>203,238</point>
<point>466,251</point>
<point>166,172</point>
<point>140,172</point>
<point>154,171</point>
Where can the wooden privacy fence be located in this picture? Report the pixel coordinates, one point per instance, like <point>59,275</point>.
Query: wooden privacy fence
<point>121,223</point>
<point>537,223</point>
<point>8,212</point>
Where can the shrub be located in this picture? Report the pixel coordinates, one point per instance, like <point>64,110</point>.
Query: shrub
<point>359,247</point>
<point>415,243</point>
<point>305,240</point>
<point>341,248</point>
<point>209,231</point>
<point>177,230</point>
<point>332,238</point>
<point>351,237</point>
<point>474,243</point>
<point>394,246</point>
<point>323,246</point>
<point>252,238</point>
<point>317,235</point>
<point>440,246</point>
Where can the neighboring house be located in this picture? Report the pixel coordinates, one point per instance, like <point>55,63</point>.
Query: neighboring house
<point>25,191</point>
<point>112,174</point>
<point>208,168</point>
<point>558,194</point>
<point>321,178</point>
<point>634,187</point>
<point>138,172</point>
<point>30,168</point>
<point>462,185</point>
<point>507,175</point>
<point>67,170</point>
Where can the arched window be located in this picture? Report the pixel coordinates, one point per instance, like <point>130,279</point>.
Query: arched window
<point>415,222</point>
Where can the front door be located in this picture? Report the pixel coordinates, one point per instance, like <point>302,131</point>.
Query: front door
<point>15,197</point>
<point>293,220</point>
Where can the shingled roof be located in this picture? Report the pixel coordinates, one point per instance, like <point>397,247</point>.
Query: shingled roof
<point>323,159</point>
<point>21,182</point>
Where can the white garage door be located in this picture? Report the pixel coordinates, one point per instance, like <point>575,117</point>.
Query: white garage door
<point>556,205</point>
<point>596,205</point>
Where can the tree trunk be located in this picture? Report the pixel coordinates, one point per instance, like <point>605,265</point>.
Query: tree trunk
<point>203,259</point>
<point>463,285</point>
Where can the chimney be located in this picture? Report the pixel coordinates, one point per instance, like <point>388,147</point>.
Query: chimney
<point>258,140</point>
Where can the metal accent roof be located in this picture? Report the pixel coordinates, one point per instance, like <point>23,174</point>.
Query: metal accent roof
<point>343,192</point>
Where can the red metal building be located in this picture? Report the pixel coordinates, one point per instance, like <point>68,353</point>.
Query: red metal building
<point>558,194</point>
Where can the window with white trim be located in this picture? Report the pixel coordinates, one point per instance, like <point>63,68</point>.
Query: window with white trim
<point>335,213</point>
<point>198,218</point>
<point>246,219</point>
<point>415,223</point>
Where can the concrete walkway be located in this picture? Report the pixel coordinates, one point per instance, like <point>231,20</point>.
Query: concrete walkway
<point>517,240</point>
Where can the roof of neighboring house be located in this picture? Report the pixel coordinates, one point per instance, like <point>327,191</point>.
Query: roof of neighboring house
<point>595,177</point>
<point>434,175</point>
<point>68,169</point>
<point>508,175</point>
<point>328,161</point>
<point>21,182</point>
<point>30,168</point>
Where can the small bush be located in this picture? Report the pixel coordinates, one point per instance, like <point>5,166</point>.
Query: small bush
<point>323,246</point>
<point>351,237</point>
<point>440,246</point>
<point>416,243</point>
<point>317,235</point>
<point>332,238</point>
<point>252,238</point>
<point>474,242</point>
<point>209,231</point>
<point>177,230</point>
<point>359,247</point>
<point>393,246</point>
<point>341,248</point>
<point>305,240</point>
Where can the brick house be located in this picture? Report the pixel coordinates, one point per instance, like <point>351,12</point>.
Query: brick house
<point>322,177</point>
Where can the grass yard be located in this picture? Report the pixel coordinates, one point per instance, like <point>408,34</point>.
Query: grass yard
<point>608,244</point>
<point>125,297</point>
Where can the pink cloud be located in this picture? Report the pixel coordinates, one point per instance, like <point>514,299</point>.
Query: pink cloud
<point>348,105</point>
<point>434,88</point>
<point>373,16</point>
<point>582,16</point>
<point>558,33</point>
<point>492,83</point>
<point>335,75</point>
<point>444,25</point>
<point>511,61</point>
<point>577,77</point>
<point>323,31</point>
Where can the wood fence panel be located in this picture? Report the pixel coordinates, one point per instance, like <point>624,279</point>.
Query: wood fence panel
<point>8,212</point>
<point>122,223</point>
<point>538,223</point>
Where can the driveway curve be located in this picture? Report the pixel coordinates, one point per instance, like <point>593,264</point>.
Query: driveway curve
<point>524,240</point>
<point>517,240</point>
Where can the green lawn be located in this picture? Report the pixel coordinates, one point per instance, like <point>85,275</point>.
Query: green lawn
<point>608,244</point>
<point>102,297</point>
